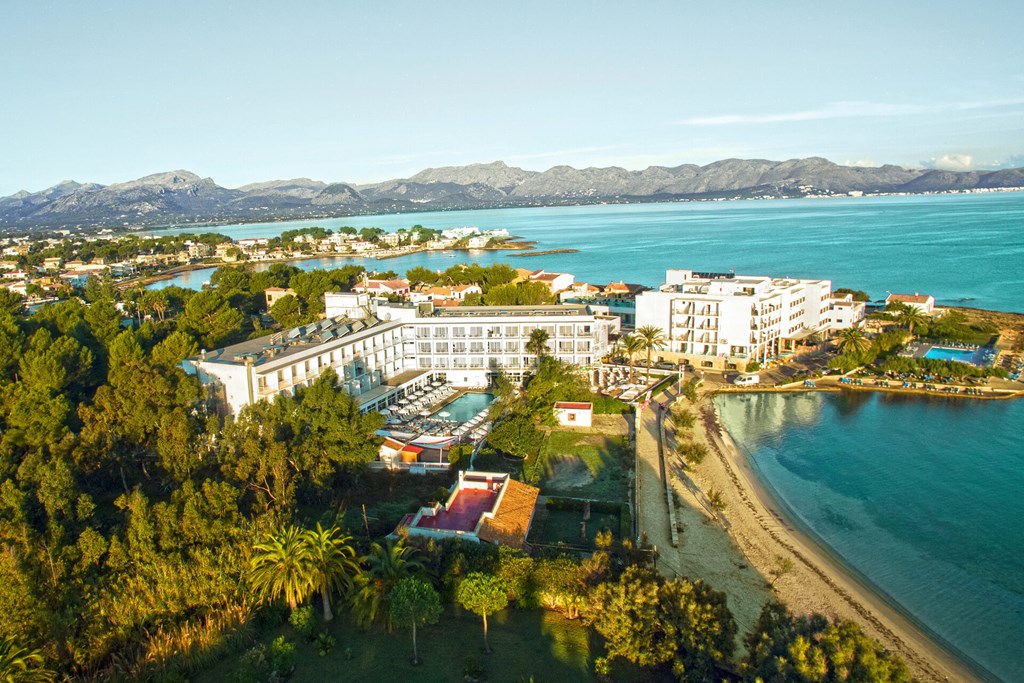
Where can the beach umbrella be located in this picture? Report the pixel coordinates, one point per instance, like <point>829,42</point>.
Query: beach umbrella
<point>444,413</point>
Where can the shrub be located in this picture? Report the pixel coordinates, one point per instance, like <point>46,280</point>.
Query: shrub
<point>473,668</point>
<point>282,657</point>
<point>304,623</point>
<point>253,666</point>
<point>325,642</point>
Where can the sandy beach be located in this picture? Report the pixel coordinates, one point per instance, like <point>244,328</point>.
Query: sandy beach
<point>736,548</point>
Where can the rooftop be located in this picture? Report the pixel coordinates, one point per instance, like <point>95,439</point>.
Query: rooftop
<point>511,521</point>
<point>289,342</point>
<point>464,513</point>
<point>549,310</point>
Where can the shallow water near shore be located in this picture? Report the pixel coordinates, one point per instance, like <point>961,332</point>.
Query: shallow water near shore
<point>921,496</point>
<point>965,249</point>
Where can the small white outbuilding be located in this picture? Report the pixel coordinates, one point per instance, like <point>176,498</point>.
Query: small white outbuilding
<point>573,414</point>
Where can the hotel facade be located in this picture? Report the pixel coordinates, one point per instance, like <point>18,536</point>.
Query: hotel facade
<point>715,320</point>
<point>383,352</point>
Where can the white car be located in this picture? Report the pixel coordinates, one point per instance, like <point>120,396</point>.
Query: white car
<point>747,379</point>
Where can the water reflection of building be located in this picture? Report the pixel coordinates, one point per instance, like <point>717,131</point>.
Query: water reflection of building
<point>763,418</point>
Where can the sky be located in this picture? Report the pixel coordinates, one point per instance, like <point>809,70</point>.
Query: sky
<point>359,92</point>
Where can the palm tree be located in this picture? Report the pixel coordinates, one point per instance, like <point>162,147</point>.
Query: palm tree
<point>281,566</point>
<point>20,664</point>
<point>910,316</point>
<point>653,338</point>
<point>333,563</point>
<point>383,568</point>
<point>632,345</point>
<point>538,344</point>
<point>853,339</point>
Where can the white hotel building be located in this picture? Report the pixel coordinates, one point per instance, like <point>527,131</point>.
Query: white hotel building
<point>382,354</point>
<point>717,319</point>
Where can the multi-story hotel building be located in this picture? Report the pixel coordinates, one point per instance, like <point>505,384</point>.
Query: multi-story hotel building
<point>716,319</point>
<point>382,354</point>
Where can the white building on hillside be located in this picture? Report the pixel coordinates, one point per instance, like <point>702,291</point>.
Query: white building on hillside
<point>845,312</point>
<point>718,319</point>
<point>922,302</point>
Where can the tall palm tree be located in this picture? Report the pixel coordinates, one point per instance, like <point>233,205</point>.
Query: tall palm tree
<point>538,344</point>
<point>853,339</point>
<point>632,345</point>
<point>910,316</point>
<point>20,664</point>
<point>653,337</point>
<point>383,568</point>
<point>333,563</point>
<point>281,567</point>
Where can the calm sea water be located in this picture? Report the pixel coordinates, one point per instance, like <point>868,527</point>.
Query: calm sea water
<point>960,248</point>
<point>922,496</point>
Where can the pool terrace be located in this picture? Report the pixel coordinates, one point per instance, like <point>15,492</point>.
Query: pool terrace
<point>970,354</point>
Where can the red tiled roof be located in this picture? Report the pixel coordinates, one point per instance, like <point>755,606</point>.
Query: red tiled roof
<point>546,277</point>
<point>571,405</point>
<point>511,521</point>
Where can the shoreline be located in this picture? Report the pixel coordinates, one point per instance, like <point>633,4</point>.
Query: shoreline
<point>821,581</point>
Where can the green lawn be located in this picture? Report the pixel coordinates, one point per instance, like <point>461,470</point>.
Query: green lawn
<point>526,643</point>
<point>580,465</point>
<point>563,526</point>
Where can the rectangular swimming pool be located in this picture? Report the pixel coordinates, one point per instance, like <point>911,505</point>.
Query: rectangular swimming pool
<point>465,407</point>
<point>968,356</point>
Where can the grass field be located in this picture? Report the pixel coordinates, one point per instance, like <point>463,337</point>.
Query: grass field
<point>582,465</point>
<point>527,644</point>
<point>554,526</point>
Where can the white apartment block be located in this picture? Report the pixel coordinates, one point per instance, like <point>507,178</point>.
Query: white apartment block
<point>717,319</point>
<point>381,355</point>
<point>845,312</point>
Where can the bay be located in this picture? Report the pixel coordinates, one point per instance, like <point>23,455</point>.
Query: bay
<point>964,249</point>
<point>920,496</point>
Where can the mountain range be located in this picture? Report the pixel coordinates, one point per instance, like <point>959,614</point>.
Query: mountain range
<point>182,197</point>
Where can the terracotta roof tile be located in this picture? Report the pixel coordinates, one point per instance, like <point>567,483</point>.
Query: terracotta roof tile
<point>511,521</point>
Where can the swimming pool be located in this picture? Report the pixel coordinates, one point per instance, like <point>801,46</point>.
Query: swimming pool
<point>968,356</point>
<point>465,407</point>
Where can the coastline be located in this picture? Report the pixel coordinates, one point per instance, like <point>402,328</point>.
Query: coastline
<point>820,581</point>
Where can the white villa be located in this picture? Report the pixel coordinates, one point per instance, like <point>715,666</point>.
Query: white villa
<point>382,352</point>
<point>712,319</point>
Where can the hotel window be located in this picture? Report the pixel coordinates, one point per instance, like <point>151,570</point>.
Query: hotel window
<point>459,347</point>
<point>565,330</point>
<point>440,332</point>
<point>512,331</point>
<point>476,331</point>
<point>476,347</point>
<point>458,332</point>
<point>476,362</point>
<point>511,347</point>
<point>493,347</point>
<point>441,347</point>
<point>424,347</point>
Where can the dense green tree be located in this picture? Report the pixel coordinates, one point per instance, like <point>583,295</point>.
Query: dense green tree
<point>422,275</point>
<point>414,602</point>
<point>519,294</point>
<point>627,613</point>
<point>288,311</point>
<point>516,435</point>
<point>482,594</point>
<point>911,317</point>
<point>211,318</point>
<point>11,303</point>
<point>784,648</point>
<point>702,625</point>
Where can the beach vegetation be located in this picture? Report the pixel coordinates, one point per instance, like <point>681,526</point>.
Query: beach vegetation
<point>691,452</point>
<point>632,346</point>
<point>783,647</point>
<point>716,499</point>
<point>781,567</point>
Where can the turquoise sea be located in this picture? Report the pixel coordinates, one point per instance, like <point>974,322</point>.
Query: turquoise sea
<point>921,496</point>
<point>966,249</point>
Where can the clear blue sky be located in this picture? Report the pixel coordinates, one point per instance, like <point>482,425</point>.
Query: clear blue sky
<point>362,91</point>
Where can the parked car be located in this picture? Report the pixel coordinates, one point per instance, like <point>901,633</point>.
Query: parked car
<point>747,379</point>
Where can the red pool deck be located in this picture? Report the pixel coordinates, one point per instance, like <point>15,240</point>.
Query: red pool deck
<point>464,512</point>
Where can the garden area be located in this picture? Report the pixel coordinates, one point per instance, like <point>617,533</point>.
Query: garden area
<point>582,465</point>
<point>565,521</point>
<point>536,644</point>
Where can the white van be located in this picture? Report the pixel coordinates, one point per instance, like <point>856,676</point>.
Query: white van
<point>747,379</point>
